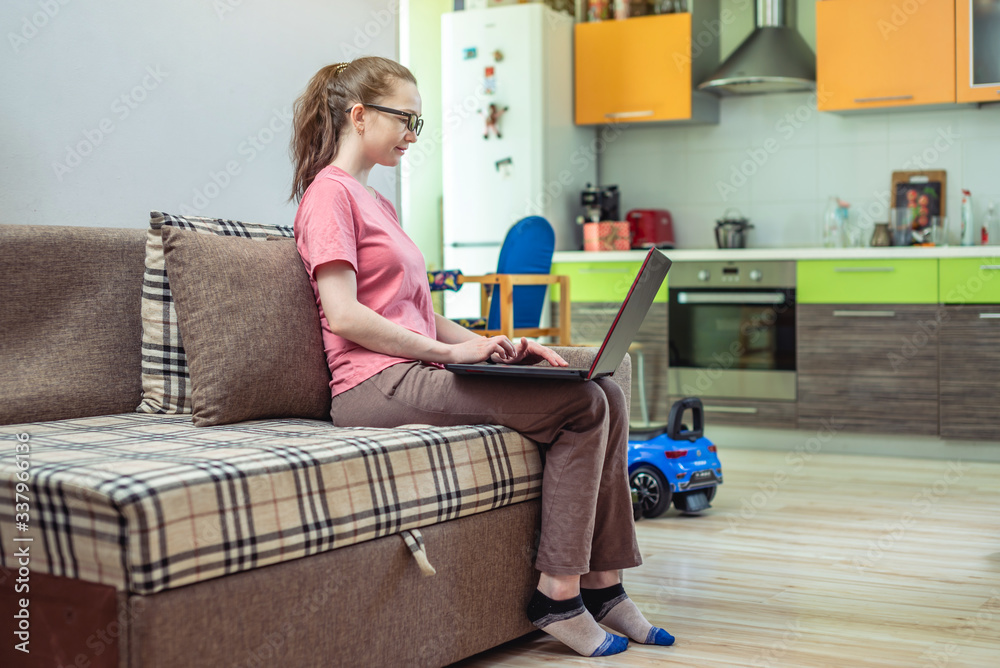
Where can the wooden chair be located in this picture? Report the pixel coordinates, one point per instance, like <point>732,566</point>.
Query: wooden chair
<point>506,283</point>
<point>522,274</point>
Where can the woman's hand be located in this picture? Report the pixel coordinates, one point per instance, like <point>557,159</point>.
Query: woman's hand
<point>529,352</point>
<point>480,349</point>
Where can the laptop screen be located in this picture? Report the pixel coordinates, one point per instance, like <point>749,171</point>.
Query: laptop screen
<point>631,313</point>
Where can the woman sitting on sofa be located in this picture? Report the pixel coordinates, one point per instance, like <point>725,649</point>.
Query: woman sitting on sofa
<point>385,346</point>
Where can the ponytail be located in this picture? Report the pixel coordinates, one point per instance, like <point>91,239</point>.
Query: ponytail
<point>319,114</point>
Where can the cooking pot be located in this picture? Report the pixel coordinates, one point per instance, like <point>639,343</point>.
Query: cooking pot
<point>730,230</point>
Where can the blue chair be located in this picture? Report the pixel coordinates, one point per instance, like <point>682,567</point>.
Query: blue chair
<point>522,276</point>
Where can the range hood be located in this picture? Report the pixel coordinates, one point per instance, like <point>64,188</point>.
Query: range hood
<point>773,59</point>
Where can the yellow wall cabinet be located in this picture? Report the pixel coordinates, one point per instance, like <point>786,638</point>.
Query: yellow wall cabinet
<point>977,56</point>
<point>885,53</point>
<point>645,68</point>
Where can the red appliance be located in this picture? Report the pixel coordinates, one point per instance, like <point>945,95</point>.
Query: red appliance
<point>651,228</point>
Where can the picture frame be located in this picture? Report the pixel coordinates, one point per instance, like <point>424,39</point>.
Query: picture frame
<point>923,192</point>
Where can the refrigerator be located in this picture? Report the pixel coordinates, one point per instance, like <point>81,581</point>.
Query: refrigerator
<point>533,160</point>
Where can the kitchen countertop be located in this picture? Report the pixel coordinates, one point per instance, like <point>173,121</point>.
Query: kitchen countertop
<point>737,254</point>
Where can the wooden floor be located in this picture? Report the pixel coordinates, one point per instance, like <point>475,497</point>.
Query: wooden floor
<point>817,560</point>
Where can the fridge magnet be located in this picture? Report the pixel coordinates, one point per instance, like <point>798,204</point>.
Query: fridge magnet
<point>922,195</point>
<point>469,54</point>
<point>492,116</point>
<point>490,81</point>
<point>504,166</point>
<point>498,55</point>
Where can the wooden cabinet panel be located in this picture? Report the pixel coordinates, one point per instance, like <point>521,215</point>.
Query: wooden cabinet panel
<point>742,413</point>
<point>977,55</point>
<point>883,53</point>
<point>868,367</point>
<point>633,70</point>
<point>970,372</point>
<point>591,321</point>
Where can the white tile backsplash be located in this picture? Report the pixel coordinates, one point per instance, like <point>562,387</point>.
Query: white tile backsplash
<point>697,172</point>
<point>788,174</point>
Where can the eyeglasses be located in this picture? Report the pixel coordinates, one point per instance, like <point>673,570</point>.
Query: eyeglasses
<point>413,122</point>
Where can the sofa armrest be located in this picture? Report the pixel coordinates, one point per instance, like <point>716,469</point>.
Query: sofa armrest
<point>584,356</point>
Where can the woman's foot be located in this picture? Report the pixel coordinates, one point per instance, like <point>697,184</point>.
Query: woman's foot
<point>569,621</point>
<point>612,607</point>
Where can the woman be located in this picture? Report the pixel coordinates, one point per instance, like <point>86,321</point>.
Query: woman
<point>385,347</point>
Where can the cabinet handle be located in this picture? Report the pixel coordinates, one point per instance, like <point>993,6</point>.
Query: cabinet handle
<point>886,98</point>
<point>990,316</point>
<point>629,114</point>
<point>747,410</point>
<point>730,298</point>
<point>989,267</point>
<point>855,270</point>
<point>864,314</point>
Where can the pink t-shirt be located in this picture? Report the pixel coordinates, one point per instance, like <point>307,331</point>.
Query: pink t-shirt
<point>338,219</point>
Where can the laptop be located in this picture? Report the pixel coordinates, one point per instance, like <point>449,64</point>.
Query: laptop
<point>630,316</point>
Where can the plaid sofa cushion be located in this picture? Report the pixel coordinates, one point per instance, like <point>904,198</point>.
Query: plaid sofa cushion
<point>166,385</point>
<point>149,502</point>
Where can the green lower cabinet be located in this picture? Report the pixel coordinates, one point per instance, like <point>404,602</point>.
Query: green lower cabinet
<point>598,282</point>
<point>867,281</point>
<point>970,280</point>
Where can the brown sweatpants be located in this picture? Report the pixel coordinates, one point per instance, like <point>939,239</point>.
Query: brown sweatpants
<point>582,427</point>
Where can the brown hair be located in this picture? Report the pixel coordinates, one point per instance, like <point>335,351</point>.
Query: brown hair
<point>319,113</point>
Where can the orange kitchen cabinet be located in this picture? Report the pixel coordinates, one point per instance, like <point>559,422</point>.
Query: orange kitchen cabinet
<point>639,69</point>
<point>884,53</point>
<point>977,56</point>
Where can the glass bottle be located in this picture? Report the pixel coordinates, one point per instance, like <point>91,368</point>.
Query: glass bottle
<point>991,227</point>
<point>832,231</point>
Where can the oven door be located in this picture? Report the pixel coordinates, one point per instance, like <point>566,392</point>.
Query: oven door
<point>732,343</point>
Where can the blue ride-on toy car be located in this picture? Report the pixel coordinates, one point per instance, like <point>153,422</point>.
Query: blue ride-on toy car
<point>673,463</point>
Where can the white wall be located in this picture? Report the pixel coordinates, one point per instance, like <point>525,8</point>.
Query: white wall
<point>112,109</point>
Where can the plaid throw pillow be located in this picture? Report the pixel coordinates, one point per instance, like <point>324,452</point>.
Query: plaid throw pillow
<point>166,386</point>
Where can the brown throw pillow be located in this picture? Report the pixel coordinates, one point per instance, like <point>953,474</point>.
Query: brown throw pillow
<point>250,327</point>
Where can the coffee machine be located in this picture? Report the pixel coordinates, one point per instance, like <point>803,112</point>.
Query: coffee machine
<point>600,203</point>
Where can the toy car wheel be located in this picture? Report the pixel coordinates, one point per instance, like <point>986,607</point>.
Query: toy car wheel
<point>654,491</point>
<point>680,501</point>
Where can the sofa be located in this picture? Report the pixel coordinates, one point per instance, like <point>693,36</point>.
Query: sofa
<point>193,536</point>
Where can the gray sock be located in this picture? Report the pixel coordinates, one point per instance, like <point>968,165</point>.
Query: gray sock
<point>569,622</point>
<point>612,607</point>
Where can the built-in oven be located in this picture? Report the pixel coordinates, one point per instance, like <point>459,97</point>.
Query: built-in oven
<point>731,330</point>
